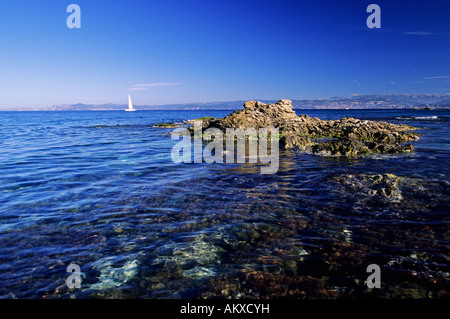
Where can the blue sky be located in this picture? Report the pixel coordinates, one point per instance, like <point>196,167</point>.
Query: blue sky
<point>167,51</point>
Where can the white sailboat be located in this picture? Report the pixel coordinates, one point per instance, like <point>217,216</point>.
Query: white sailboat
<point>130,105</point>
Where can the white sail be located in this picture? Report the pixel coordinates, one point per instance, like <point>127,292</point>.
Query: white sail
<point>130,105</point>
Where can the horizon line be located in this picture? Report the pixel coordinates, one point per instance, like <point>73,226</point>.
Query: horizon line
<point>47,108</point>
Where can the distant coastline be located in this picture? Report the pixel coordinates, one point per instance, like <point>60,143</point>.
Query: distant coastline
<point>356,101</point>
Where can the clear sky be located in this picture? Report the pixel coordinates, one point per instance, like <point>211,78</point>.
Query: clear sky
<point>168,51</point>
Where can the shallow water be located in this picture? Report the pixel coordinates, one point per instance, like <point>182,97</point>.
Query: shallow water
<point>99,189</point>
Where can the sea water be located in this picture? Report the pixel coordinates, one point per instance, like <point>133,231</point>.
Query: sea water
<point>99,189</point>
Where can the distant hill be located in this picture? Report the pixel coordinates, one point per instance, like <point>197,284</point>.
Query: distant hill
<point>356,101</point>
<point>119,107</point>
<point>378,101</point>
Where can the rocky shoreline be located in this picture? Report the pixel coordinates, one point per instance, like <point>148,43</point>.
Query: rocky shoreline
<point>348,137</point>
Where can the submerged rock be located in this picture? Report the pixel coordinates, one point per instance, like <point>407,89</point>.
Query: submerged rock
<point>112,277</point>
<point>193,259</point>
<point>386,185</point>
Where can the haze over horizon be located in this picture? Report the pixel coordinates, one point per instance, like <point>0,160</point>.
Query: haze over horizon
<point>171,52</point>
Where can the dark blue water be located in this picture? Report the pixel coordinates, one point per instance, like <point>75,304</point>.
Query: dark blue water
<point>99,189</point>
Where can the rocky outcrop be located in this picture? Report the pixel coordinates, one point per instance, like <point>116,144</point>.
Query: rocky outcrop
<point>168,125</point>
<point>381,186</point>
<point>257,115</point>
<point>344,137</point>
<point>205,121</point>
<point>353,147</point>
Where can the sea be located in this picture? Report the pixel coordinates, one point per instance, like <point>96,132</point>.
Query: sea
<point>93,206</point>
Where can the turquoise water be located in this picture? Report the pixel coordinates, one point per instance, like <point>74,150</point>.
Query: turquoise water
<point>99,189</point>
